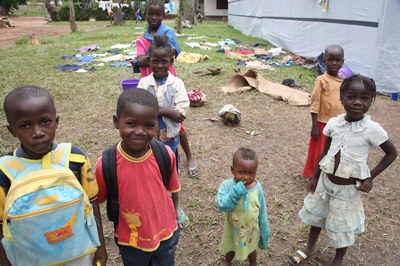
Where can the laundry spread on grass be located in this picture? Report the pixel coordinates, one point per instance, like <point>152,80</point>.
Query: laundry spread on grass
<point>252,55</point>
<point>90,56</point>
<point>185,57</point>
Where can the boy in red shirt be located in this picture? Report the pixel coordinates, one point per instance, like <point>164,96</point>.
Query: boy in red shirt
<point>147,229</point>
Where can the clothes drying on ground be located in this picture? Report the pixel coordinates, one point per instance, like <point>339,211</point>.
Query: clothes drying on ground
<point>124,63</point>
<point>88,48</point>
<point>67,67</point>
<point>185,57</point>
<point>68,57</point>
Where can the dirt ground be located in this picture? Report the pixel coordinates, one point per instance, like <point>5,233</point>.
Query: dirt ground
<point>32,25</point>
<point>281,143</point>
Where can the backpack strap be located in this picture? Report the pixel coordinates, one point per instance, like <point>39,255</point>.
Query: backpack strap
<point>109,162</point>
<point>163,160</point>
<point>109,167</point>
<point>15,167</point>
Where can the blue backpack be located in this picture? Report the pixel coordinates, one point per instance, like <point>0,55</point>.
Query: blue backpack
<point>48,219</point>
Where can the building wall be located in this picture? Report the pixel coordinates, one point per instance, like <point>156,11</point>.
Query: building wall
<point>209,7</point>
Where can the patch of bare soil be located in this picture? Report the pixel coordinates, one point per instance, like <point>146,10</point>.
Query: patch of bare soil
<point>32,25</point>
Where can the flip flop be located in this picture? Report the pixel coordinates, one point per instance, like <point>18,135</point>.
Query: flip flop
<point>184,220</point>
<point>296,260</point>
<point>193,171</point>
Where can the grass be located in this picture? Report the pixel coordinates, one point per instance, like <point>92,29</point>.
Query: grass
<point>36,10</point>
<point>86,103</point>
<point>34,64</point>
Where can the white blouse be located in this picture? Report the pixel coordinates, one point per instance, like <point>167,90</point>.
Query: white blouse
<point>354,140</point>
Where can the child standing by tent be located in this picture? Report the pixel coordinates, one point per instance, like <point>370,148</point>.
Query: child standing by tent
<point>334,201</point>
<point>325,103</point>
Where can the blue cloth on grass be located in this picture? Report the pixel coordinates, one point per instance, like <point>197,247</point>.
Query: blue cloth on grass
<point>86,58</point>
<point>123,63</point>
<point>67,57</point>
<point>67,67</point>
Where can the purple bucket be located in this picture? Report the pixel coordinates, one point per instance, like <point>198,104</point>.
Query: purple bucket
<point>346,71</point>
<point>129,83</point>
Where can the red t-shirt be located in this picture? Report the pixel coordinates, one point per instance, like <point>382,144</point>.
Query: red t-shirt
<point>146,211</point>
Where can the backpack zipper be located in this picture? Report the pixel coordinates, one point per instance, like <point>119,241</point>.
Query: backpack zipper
<point>42,211</point>
<point>31,180</point>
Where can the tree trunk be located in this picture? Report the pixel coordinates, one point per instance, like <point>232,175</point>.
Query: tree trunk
<point>50,9</point>
<point>178,22</point>
<point>118,17</point>
<point>72,22</point>
<point>5,11</point>
<point>189,11</point>
<point>118,14</point>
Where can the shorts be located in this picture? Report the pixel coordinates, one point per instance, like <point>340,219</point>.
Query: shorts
<point>337,208</point>
<point>164,255</point>
<point>84,261</point>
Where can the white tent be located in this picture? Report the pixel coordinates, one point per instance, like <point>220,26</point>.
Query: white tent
<point>368,30</point>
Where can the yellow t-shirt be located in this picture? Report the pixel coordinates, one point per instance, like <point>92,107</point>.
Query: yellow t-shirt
<point>325,99</point>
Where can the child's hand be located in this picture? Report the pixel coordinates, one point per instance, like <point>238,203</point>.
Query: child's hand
<point>365,185</point>
<point>312,185</point>
<point>176,116</point>
<point>100,257</point>
<point>315,132</point>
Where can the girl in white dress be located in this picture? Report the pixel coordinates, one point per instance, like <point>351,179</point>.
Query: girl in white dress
<point>334,201</point>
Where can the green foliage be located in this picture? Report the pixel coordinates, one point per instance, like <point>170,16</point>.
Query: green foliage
<point>63,13</point>
<point>81,14</point>
<point>99,14</point>
<point>7,6</point>
<point>128,13</point>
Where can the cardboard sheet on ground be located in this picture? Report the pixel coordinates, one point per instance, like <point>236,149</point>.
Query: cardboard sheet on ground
<point>249,80</point>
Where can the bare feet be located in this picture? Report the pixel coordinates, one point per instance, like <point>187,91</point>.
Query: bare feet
<point>338,259</point>
<point>228,259</point>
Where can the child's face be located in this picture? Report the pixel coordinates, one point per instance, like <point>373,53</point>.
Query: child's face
<point>154,17</point>
<point>244,170</point>
<point>333,61</point>
<point>159,62</point>
<point>34,123</point>
<point>137,126</point>
<point>356,101</point>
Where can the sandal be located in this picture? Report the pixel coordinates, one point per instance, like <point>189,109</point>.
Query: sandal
<point>183,221</point>
<point>297,259</point>
<point>193,171</point>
